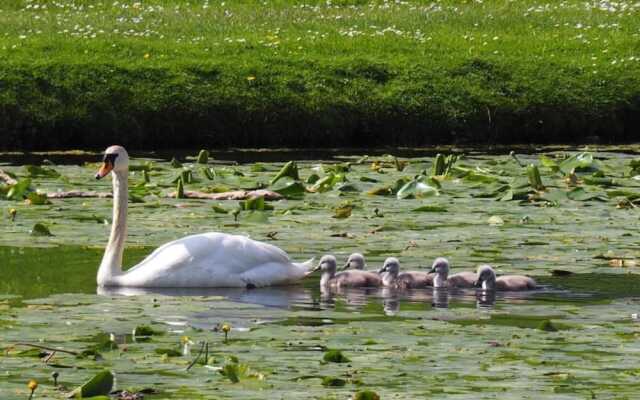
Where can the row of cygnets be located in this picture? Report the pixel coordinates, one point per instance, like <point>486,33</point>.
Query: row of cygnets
<point>354,274</point>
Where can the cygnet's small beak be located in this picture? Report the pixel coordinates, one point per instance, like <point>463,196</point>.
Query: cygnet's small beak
<point>346,266</point>
<point>432,270</point>
<point>317,268</point>
<point>383,269</point>
<point>477,284</point>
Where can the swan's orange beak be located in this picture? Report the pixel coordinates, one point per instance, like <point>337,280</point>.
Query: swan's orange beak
<point>106,167</point>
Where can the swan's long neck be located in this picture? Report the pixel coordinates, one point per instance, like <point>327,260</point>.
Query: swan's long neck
<point>111,265</point>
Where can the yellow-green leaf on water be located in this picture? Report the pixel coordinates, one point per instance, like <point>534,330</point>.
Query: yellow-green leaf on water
<point>203,157</point>
<point>290,170</point>
<point>430,208</point>
<point>100,384</point>
<point>180,189</point>
<point>343,212</point>
<point>37,198</point>
<point>495,220</point>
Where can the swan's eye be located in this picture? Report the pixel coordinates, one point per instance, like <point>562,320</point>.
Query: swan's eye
<point>110,158</point>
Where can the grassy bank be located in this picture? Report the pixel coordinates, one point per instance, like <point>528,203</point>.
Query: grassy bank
<point>249,73</point>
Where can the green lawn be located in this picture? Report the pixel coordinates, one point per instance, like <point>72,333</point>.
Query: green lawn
<point>253,73</point>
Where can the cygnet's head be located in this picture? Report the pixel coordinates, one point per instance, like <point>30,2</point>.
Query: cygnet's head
<point>355,261</point>
<point>391,265</point>
<point>115,159</point>
<point>486,276</point>
<point>327,264</point>
<point>440,267</point>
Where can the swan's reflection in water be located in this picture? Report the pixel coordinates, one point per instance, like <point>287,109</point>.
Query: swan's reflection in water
<point>274,296</point>
<point>355,299</point>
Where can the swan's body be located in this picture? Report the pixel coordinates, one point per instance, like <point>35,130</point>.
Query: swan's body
<point>331,279</point>
<point>442,278</point>
<point>205,260</point>
<point>488,281</point>
<point>392,277</point>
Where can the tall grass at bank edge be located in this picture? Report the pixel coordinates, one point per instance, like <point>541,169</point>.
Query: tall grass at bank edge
<point>309,73</point>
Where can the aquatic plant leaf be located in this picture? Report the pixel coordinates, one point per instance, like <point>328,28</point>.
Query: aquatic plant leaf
<point>417,188</point>
<point>180,189</point>
<point>219,209</point>
<point>366,395</point>
<point>579,194</point>
<point>210,173</point>
<point>534,177</point>
<point>37,198</point>
<point>335,356</point>
<point>100,384</point>
<point>347,187</point>
<point>236,372</point>
<point>342,212</point>
<point>19,190</point>
<point>145,330</point>
<point>549,163</point>
<point>175,163</point>
<point>256,217</point>
<point>430,208</point>
<point>290,170</point>
<point>34,171</point>
<point>577,162</point>
<point>332,381</point>
<point>291,189</point>
<point>255,203</point>
<point>168,352</point>
<point>40,229</point>
<point>203,157</point>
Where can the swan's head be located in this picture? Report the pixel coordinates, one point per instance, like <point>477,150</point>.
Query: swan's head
<point>486,277</point>
<point>328,264</point>
<point>440,266</point>
<point>115,159</point>
<point>391,265</point>
<point>355,261</point>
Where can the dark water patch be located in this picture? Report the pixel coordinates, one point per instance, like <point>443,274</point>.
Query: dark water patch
<point>35,272</point>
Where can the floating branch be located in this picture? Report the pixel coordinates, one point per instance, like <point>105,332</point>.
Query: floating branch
<point>232,195</point>
<point>188,194</point>
<point>37,346</point>
<point>4,177</point>
<point>78,193</point>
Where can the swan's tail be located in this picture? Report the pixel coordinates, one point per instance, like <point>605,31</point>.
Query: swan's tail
<point>305,267</point>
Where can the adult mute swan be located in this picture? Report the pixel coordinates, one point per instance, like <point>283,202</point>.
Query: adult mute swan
<point>211,259</point>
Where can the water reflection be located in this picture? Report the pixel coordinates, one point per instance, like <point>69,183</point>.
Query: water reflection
<point>275,296</point>
<point>392,300</point>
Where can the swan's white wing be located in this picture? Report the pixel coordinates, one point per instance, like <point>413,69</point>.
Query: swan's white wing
<point>212,259</point>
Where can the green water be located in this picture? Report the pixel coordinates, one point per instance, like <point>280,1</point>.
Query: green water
<point>575,337</point>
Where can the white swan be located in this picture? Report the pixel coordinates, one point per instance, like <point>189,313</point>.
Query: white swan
<point>211,259</point>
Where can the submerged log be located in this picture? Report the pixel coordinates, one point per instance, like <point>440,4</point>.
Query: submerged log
<point>188,194</point>
<point>78,193</point>
<point>232,195</point>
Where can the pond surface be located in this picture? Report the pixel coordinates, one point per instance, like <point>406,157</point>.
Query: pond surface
<point>576,337</point>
